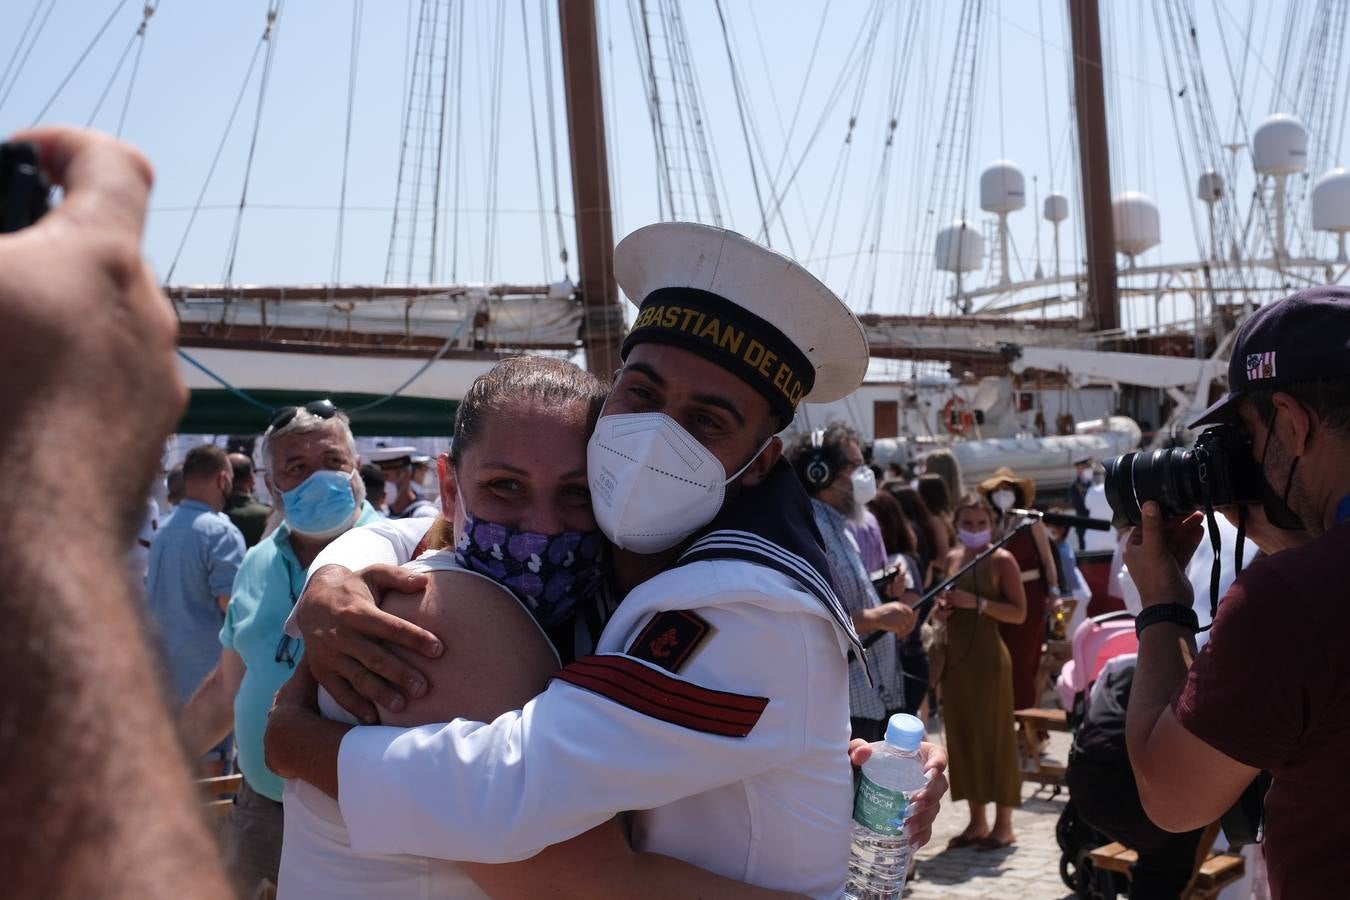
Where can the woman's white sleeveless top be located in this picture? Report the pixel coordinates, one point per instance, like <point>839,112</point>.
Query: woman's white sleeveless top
<point>317,861</point>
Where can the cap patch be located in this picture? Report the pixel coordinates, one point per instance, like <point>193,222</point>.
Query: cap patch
<point>1260,366</point>
<point>725,333</point>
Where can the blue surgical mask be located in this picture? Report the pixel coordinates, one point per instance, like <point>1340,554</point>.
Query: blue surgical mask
<point>548,572</point>
<point>322,505</point>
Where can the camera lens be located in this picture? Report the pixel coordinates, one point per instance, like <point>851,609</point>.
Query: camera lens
<point>1167,477</point>
<point>1119,487</point>
<point>1170,478</point>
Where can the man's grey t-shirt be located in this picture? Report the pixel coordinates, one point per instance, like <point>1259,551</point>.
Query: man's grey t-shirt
<point>193,559</point>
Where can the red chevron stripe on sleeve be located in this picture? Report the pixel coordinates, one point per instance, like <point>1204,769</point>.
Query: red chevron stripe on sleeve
<point>655,693</point>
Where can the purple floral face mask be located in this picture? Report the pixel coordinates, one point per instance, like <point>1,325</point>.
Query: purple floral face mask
<point>549,572</point>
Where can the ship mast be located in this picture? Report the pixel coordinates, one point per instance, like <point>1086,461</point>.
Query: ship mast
<point>1094,159</point>
<point>602,324</point>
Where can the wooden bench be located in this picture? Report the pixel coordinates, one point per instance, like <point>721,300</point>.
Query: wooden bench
<point>1030,723</point>
<point>218,793</point>
<point>1212,873</point>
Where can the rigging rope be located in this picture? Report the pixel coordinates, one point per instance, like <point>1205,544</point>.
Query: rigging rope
<point>80,60</point>
<point>852,60</point>
<point>358,10</point>
<point>546,43</point>
<point>220,149</point>
<point>269,37</point>
<point>18,46</point>
<point>855,110</point>
<point>534,140</point>
<point>494,147</point>
<point>112,79</point>
<point>457,145</point>
<point>745,131</point>
<point>138,39</point>
<point>665,196</point>
<point>796,112</point>
<point>149,10</point>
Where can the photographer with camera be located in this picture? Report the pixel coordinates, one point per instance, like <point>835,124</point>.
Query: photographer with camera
<point>1271,689</point>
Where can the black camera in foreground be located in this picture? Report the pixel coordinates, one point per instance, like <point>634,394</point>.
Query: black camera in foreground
<point>23,187</point>
<point>1218,471</point>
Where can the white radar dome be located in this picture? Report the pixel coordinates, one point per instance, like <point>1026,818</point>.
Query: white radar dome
<point>1210,187</point>
<point>1331,201</point>
<point>1280,145</point>
<point>1056,207</point>
<point>960,248</point>
<point>1137,223</point>
<point>1002,188</point>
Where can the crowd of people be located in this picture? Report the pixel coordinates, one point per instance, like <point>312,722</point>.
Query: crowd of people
<point>634,654</point>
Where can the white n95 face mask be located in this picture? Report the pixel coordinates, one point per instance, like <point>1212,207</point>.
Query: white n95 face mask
<point>652,483</point>
<point>864,485</point>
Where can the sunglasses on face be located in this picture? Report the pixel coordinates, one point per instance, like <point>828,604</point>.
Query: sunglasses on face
<point>284,415</point>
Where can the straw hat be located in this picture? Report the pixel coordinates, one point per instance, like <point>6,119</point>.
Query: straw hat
<point>1004,475</point>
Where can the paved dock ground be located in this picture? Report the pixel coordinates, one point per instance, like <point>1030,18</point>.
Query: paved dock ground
<point>1028,870</point>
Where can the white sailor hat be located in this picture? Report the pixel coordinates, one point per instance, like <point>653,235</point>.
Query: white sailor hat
<point>392,457</point>
<point>755,311</point>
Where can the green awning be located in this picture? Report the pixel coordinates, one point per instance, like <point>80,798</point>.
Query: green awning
<point>221,412</point>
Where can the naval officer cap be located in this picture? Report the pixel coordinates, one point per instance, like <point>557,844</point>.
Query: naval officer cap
<point>392,457</point>
<point>753,311</point>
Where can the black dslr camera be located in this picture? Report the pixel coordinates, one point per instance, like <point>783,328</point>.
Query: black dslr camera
<point>24,190</point>
<point>1218,471</point>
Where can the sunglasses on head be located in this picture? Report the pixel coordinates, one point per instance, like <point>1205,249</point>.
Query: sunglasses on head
<point>284,415</point>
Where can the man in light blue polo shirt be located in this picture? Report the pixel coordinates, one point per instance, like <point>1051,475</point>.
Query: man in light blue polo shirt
<point>193,560</point>
<point>316,484</point>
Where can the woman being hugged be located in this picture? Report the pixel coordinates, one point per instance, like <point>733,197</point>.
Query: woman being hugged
<point>977,681</point>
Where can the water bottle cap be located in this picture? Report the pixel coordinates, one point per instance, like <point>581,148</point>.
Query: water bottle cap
<point>904,732</point>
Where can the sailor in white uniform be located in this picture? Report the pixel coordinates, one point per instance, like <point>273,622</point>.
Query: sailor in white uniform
<point>714,703</point>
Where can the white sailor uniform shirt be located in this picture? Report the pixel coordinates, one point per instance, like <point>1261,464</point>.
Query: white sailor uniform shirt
<point>736,763</point>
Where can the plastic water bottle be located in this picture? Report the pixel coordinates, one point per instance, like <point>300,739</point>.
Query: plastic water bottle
<point>879,863</point>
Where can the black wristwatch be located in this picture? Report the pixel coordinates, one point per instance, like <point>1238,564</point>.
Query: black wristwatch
<point>1177,613</point>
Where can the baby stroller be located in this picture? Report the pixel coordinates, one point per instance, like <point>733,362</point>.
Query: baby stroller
<point>1102,647</point>
<point>1096,642</point>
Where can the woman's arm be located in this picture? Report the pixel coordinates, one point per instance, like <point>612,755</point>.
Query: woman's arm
<point>1042,538</point>
<point>1010,607</point>
<point>600,864</point>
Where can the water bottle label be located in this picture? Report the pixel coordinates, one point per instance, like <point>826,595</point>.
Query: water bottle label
<point>879,809</point>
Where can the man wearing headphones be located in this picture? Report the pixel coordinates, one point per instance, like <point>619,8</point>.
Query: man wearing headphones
<point>830,464</point>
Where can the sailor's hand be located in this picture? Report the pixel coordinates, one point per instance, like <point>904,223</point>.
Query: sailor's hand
<point>1270,538</point>
<point>87,351</point>
<point>345,634</point>
<point>1157,553</point>
<point>925,805</point>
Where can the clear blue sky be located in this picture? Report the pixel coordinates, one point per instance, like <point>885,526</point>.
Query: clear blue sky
<point>196,54</point>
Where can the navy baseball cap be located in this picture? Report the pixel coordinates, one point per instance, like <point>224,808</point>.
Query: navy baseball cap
<point>1302,337</point>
